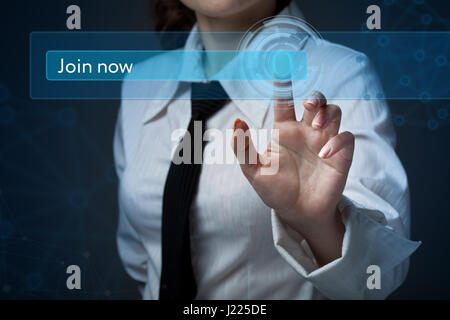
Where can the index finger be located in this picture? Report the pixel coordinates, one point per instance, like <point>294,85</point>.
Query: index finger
<point>283,102</point>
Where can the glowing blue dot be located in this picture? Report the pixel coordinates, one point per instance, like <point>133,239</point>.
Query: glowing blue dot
<point>425,97</point>
<point>441,61</point>
<point>282,65</point>
<point>405,80</point>
<point>7,115</point>
<point>383,41</point>
<point>67,117</point>
<point>442,113</point>
<point>426,19</point>
<point>419,55</point>
<point>6,229</point>
<point>399,120</point>
<point>432,124</point>
<point>78,199</point>
<point>34,280</point>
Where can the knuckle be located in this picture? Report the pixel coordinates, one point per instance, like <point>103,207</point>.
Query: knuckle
<point>335,111</point>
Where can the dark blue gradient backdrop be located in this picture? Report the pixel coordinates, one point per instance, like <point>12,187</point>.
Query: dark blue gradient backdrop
<point>58,201</point>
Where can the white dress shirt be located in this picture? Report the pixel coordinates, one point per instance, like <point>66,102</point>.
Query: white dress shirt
<point>240,249</point>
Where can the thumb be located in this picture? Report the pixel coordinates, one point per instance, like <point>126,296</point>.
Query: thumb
<point>244,148</point>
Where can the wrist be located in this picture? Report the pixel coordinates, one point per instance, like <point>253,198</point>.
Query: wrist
<point>323,234</point>
<point>314,224</point>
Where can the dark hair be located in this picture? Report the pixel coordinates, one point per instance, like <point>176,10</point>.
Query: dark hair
<point>173,15</point>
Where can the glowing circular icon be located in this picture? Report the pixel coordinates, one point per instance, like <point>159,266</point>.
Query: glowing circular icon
<point>282,67</point>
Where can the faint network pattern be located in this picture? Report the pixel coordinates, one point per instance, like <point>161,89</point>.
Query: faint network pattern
<point>45,200</point>
<point>53,210</point>
<point>417,15</point>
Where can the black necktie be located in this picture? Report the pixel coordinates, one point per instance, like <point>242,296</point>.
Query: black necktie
<point>177,276</point>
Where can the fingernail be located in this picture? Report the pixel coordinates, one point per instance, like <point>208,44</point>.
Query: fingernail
<point>320,120</point>
<point>312,99</point>
<point>311,102</point>
<point>236,122</point>
<point>325,152</point>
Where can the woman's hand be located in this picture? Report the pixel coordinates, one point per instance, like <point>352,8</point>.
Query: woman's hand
<point>313,164</point>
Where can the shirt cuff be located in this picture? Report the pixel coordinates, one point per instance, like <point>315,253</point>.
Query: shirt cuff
<point>367,241</point>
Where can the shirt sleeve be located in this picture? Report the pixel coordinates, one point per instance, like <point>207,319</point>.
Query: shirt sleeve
<point>130,247</point>
<point>375,204</point>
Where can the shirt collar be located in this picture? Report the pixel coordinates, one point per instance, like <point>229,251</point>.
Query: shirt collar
<point>254,110</point>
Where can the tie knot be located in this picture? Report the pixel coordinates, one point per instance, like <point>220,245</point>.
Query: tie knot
<point>207,98</point>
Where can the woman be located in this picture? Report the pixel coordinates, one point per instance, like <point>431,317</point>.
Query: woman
<point>337,206</point>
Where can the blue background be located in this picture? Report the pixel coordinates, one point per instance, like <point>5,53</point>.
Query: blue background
<point>58,202</point>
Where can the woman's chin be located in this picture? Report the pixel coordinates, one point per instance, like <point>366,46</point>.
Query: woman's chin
<point>219,8</point>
